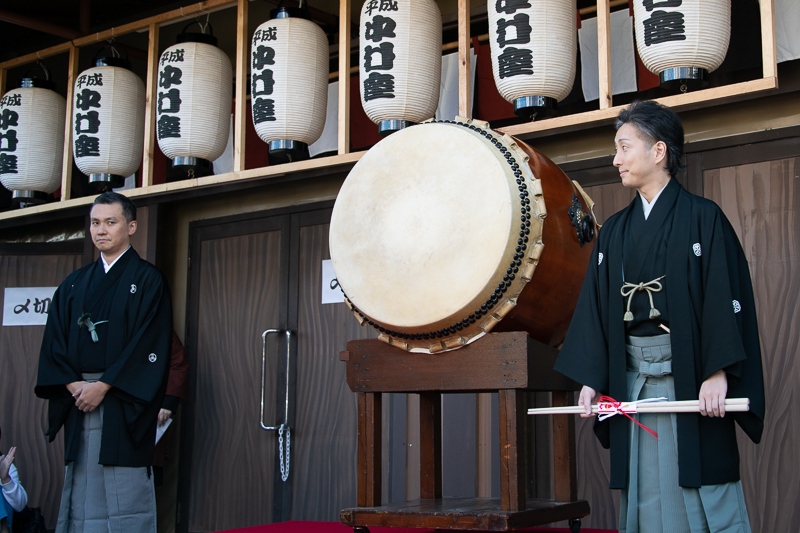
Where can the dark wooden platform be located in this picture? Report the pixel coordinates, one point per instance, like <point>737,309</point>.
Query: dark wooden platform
<point>481,514</point>
<point>510,363</point>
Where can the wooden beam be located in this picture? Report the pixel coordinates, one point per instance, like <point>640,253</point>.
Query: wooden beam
<point>3,80</point>
<point>240,102</point>
<point>512,450</point>
<point>34,56</point>
<point>430,445</point>
<point>604,52</point>
<point>150,106</point>
<point>769,55</point>
<point>679,102</point>
<point>209,6</point>
<point>38,25</point>
<point>464,44</point>
<point>565,476</point>
<point>368,483</point>
<point>66,161</point>
<point>483,445</point>
<point>344,81</point>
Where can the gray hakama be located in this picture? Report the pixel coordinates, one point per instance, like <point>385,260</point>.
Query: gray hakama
<point>654,502</point>
<point>104,499</point>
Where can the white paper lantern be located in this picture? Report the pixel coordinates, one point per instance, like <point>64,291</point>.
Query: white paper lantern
<point>32,121</point>
<point>534,46</point>
<point>195,94</point>
<point>400,61</point>
<point>682,40</point>
<point>289,74</point>
<point>108,123</point>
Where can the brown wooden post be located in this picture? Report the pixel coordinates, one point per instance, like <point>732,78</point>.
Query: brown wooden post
<point>565,476</point>
<point>369,449</point>
<point>512,449</point>
<point>430,445</point>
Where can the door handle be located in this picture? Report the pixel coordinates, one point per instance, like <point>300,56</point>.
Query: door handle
<point>263,372</point>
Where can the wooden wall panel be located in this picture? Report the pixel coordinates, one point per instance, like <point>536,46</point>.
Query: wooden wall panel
<point>324,436</point>
<point>762,201</point>
<point>23,417</point>
<point>232,457</point>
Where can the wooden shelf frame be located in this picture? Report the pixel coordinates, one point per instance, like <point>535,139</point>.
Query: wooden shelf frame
<point>604,115</point>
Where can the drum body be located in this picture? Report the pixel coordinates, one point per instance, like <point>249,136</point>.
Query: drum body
<point>445,231</point>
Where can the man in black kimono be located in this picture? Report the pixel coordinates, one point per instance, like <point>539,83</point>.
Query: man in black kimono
<point>667,310</point>
<point>103,367</point>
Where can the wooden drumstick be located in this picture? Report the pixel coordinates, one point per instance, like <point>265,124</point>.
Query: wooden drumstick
<point>685,406</point>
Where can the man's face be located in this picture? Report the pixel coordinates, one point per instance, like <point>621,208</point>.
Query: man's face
<point>111,233</point>
<point>638,163</point>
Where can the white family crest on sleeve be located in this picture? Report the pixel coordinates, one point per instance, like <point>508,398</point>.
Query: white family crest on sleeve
<point>600,259</point>
<point>698,251</point>
<point>736,306</point>
<point>133,289</point>
<point>152,357</point>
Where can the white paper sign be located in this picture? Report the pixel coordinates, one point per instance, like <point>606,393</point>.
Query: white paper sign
<point>27,306</point>
<point>331,293</point>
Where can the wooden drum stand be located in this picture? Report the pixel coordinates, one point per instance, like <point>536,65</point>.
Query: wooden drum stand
<point>510,363</point>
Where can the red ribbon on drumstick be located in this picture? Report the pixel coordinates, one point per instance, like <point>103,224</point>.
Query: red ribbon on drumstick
<point>608,406</point>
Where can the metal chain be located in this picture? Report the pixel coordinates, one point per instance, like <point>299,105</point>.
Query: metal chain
<point>284,462</point>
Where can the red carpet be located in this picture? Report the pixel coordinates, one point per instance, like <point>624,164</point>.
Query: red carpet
<point>294,526</point>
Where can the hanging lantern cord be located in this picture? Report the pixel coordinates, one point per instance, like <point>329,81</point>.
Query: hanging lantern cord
<point>44,68</point>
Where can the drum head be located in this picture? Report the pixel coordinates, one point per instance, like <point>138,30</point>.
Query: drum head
<point>424,226</point>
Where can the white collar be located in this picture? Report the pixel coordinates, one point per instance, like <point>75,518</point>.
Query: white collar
<point>107,267</point>
<point>648,206</point>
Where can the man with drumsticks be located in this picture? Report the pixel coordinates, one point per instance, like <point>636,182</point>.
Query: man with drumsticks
<point>667,310</point>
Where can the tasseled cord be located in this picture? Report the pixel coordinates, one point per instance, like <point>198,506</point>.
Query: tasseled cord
<point>85,320</point>
<point>628,289</point>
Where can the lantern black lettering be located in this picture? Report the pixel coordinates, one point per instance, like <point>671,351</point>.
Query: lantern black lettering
<point>169,126</point>
<point>372,5</point>
<point>173,98</point>
<point>386,51</point>
<point>264,55</point>
<point>522,30</point>
<point>91,120</point>
<point>86,146</point>
<point>87,98</point>
<point>265,82</point>
<point>650,5</point>
<point>664,26</point>
<point>95,79</point>
<point>8,164</point>
<point>11,100</point>
<point>268,34</point>
<point>515,62</point>
<point>8,118</point>
<point>510,7</point>
<point>388,5</point>
<point>378,86</point>
<point>264,110</point>
<point>8,141</point>
<point>170,76</point>
<point>174,56</point>
<point>379,28</point>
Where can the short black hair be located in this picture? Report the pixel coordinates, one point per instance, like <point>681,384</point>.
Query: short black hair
<point>111,197</point>
<point>656,122</point>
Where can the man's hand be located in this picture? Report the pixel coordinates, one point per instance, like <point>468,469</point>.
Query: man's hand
<point>75,386</point>
<point>586,399</point>
<point>163,416</point>
<point>90,396</point>
<point>712,394</point>
<point>5,465</point>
